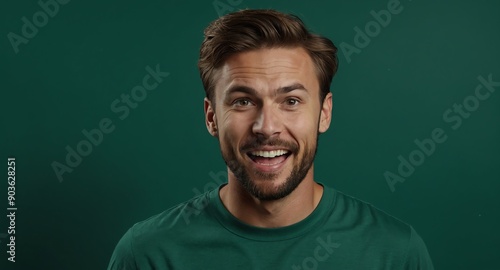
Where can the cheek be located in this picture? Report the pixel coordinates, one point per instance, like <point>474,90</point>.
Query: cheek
<point>303,125</point>
<point>232,130</point>
<point>304,129</point>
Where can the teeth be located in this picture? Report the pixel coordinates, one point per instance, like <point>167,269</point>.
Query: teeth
<point>269,154</point>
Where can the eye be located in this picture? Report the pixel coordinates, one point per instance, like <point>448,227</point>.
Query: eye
<point>242,102</point>
<point>292,101</point>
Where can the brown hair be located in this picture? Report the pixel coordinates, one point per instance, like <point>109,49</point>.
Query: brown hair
<point>248,30</point>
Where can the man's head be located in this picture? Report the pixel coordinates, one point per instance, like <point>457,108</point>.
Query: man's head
<point>267,82</point>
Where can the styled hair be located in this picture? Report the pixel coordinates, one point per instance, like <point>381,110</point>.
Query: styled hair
<point>248,30</point>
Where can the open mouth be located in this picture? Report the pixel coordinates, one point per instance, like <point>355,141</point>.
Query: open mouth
<point>269,158</point>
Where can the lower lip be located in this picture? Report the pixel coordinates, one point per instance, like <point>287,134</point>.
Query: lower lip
<point>269,168</point>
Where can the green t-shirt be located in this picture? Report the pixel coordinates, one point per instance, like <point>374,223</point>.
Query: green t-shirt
<point>341,233</point>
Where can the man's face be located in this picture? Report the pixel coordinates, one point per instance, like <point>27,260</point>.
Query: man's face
<point>267,118</point>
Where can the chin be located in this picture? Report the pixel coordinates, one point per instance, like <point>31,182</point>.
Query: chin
<point>270,189</point>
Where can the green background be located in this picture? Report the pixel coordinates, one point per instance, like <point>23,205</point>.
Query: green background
<point>395,90</point>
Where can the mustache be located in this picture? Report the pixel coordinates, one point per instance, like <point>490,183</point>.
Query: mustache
<point>259,142</point>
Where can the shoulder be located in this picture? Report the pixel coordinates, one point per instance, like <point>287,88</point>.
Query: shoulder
<point>368,223</point>
<point>172,220</point>
<point>159,232</point>
<point>361,213</point>
<point>379,232</point>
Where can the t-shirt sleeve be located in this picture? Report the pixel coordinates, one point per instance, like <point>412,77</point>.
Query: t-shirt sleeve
<point>417,257</point>
<point>123,255</point>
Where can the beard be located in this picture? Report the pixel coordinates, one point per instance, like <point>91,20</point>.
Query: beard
<point>293,180</point>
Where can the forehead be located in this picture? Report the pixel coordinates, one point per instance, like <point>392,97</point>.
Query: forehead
<point>269,68</point>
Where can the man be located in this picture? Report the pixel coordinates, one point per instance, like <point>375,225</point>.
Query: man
<point>267,82</point>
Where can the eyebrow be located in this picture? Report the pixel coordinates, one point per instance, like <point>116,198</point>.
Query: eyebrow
<point>289,88</point>
<point>252,91</point>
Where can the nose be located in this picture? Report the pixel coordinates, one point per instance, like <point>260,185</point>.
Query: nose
<point>268,122</point>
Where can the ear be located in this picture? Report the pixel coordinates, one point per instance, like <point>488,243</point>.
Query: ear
<point>210,118</point>
<point>326,114</point>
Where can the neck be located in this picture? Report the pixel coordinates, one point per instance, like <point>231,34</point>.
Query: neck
<point>271,214</point>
